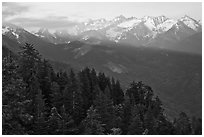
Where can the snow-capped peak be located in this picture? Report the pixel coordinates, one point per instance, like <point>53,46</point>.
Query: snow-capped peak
<point>119,29</point>
<point>119,18</point>
<point>153,22</point>
<point>149,22</point>
<point>191,23</point>
<point>13,29</point>
<point>186,17</point>
<point>166,25</point>
<point>12,26</point>
<point>160,19</point>
<point>8,27</point>
<point>43,31</point>
<point>147,17</point>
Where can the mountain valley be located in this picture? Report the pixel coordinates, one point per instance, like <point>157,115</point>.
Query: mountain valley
<point>174,75</point>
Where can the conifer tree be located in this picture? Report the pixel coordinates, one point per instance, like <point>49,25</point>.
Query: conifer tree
<point>136,125</point>
<point>133,93</point>
<point>103,81</point>
<point>32,92</point>
<point>92,124</point>
<point>67,100</point>
<point>54,122</point>
<point>56,95</point>
<point>117,92</point>
<point>182,125</point>
<point>93,83</point>
<point>67,126</point>
<point>94,79</point>
<point>85,89</point>
<point>104,106</point>
<point>157,108</point>
<point>44,78</point>
<point>149,122</point>
<point>126,115</point>
<point>118,113</point>
<point>163,126</point>
<point>62,80</point>
<point>77,102</point>
<point>29,62</point>
<point>40,121</point>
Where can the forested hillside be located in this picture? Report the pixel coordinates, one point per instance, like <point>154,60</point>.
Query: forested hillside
<point>37,100</point>
<point>162,69</point>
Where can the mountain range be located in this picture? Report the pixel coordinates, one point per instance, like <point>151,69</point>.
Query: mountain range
<point>157,32</point>
<point>162,52</point>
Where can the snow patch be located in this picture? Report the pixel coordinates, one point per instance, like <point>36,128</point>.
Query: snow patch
<point>85,37</point>
<point>38,35</point>
<point>5,30</point>
<point>130,23</point>
<point>17,36</point>
<point>68,42</point>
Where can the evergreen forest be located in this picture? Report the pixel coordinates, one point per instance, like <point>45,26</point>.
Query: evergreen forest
<point>38,100</point>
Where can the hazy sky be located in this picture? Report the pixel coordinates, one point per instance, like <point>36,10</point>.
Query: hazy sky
<point>60,15</point>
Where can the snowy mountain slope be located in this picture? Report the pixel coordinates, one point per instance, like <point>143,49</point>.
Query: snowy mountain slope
<point>58,37</point>
<point>152,27</point>
<point>166,25</point>
<point>145,31</point>
<point>129,23</point>
<point>17,33</point>
<point>133,31</point>
<point>191,23</point>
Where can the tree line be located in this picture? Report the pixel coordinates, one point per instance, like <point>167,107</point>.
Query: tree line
<point>36,100</point>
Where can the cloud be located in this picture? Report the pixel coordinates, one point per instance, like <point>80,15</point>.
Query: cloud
<point>50,22</point>
<point>31,16</point>
<point>10,9</point>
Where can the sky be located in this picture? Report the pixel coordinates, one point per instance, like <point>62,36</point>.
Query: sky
<point>54,15</point>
